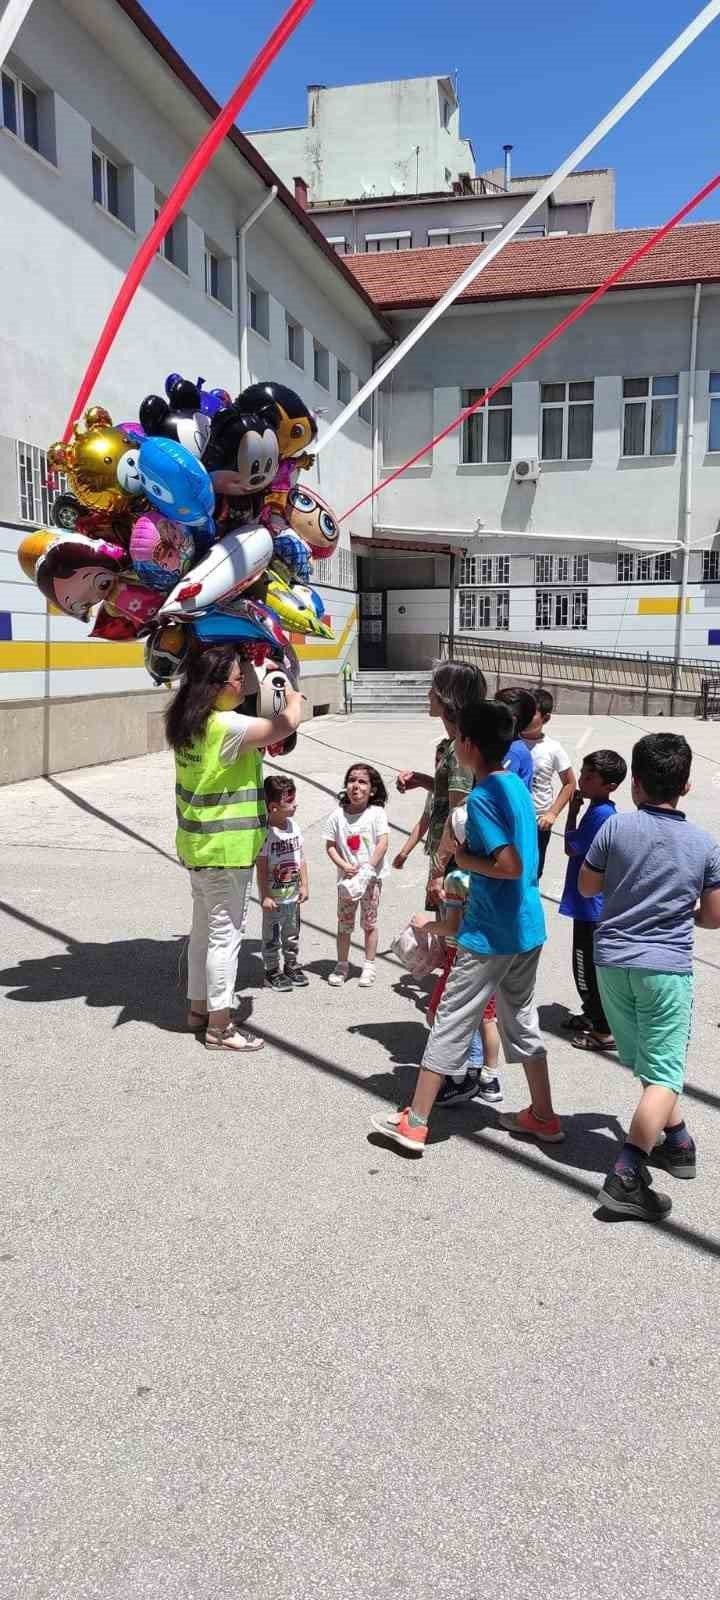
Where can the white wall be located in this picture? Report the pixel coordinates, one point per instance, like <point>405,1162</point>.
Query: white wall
<point>363,138</point>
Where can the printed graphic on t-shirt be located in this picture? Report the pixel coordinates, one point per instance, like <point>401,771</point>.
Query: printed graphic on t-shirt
<point>283,851</point>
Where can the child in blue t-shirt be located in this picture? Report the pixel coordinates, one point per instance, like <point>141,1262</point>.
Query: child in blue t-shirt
<point>602,773</point>
<point>499,943</point>
<point>524,708</point>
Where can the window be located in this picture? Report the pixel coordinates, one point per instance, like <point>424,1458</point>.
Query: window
<point>566,421</point>
<point>174,247</point>
<point>20,110</point>
<point>561,608</point>
<point>365,410</point>
<point>477,611</point>
<point>218,275</point>
<point>105,183</point>
<point>339,244</point>
<point>295,342</point>
<point>259,305</point>
<point>212,275</point>
<point>632,568</point>
<point>378,242</point>
<point>344,386</point>
<point>484,570</point>
<point>714,425</point>
<point>711,566</point>
<point>561,569</point>
<point>447,236</point>
<point>650,416</point>
<point>491,441</point>
<point>321,365</point>
<point>35,496</point>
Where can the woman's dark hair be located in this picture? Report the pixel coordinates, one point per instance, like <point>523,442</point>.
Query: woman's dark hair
<point>661,763</point>
<point>490,727</point>
<point>378,792</point>
<point>206,674</point>
<point>458,684</point>
<point>276,788</point>
<point>521,702</point>
<point>608,765</point>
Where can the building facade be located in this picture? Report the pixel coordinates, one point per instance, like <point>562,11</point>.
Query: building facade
<point>98,117</point>
<point>410,142</point>
<point>585,477</point>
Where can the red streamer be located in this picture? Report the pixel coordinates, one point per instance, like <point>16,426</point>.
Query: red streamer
<point>548,339</point>
<point>179,194</point>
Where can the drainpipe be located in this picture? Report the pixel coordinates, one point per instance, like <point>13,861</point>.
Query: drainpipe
<point>242,288</point>
<point>688,463</point>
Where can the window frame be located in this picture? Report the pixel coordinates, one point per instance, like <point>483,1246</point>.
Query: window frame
<point>649,401</point>
<point>710,566</point>
<point>106,162</point>
<point>294,329</point>
<point>20,89</point>
<point>629,567</point>
<point>343,373</point>
<point>33,489</point>
<point>375,241</point>
<point>558,602</point>
<point>482,417</point>
<point>483,610</point>
<point>177,232</point>
<point>321,362</point>
<point>713,413</point>
<point>475,574</point>
<point>565,407</point>
<point>258,297</point>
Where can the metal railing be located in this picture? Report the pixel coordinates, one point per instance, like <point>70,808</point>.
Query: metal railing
<point>596,669</point>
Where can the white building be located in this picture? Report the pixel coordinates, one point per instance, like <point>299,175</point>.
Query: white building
<point>587,473</point>
<point>401,137</point>
<point>99,115</point>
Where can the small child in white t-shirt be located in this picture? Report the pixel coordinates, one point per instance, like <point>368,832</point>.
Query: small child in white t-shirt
<point>549,760</point>
<point>356,840</point>
<point>283,887</point>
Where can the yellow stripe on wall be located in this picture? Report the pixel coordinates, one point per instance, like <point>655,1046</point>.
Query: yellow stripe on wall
<point>91,654</point>
<point>96,654</point>
<point>660,606</point>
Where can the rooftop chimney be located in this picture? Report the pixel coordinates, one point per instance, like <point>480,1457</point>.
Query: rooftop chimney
<point>508,164</point>
<point>301,192</point>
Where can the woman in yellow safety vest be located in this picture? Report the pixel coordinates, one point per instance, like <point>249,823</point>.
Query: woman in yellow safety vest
<point>221,825</point>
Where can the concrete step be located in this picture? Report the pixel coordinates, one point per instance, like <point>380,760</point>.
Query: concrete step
<point>388,692</point>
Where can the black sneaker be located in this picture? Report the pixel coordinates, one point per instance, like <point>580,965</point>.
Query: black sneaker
<point>278,980</point>
<point>631,1195</point>
<point>489,1090</point>
<point>681,1161</point>
<point>456,1094</point>
<point>298,978</point>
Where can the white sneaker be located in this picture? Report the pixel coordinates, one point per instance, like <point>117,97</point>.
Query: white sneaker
<point>338,976</point>
<point>367,976</point>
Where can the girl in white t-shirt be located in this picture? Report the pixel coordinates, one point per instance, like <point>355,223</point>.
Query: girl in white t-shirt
<point>356,840</point>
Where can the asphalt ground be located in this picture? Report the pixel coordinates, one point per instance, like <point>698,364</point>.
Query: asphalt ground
<point>250,1352</point>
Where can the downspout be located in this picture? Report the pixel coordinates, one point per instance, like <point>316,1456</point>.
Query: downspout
<point>688,463</point>
<point>242,287</point>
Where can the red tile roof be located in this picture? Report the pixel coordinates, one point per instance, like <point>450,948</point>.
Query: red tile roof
<point>407,278</point>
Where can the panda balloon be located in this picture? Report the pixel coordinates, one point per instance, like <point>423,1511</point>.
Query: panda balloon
<point>178,417</point>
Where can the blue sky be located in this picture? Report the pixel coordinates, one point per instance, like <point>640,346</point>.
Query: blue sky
<point>526,76</point>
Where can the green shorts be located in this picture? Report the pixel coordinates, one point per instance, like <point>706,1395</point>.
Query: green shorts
<point>650,1015</point>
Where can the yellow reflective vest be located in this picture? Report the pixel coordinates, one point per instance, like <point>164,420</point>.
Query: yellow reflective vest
<point>220,809</point>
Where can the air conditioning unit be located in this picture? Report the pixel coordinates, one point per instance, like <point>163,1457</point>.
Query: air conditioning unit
<point>526,471</point>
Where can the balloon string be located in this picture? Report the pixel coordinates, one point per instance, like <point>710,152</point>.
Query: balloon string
<point>189,176</point>
<point>542,344</point>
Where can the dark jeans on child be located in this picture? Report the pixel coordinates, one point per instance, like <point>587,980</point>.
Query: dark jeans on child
<point>583,959</point>
<point>544,836</point>
<point>281,935</point>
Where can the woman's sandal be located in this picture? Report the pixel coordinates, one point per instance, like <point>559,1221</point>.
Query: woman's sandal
<point>231,1038</point>
<point>592,1041</point>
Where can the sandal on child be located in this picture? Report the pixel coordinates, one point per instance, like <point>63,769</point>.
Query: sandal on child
<point>592,1041</point>
<point>231,1038</point>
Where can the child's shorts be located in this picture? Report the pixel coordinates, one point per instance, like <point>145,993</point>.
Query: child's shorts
<point>369,907</point>
<point>650,1014</point>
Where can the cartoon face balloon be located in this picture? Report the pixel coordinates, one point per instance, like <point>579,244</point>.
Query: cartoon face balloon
<point>77,573</point>
<point>294,423</point>
<point>311,518</point>
<point>180,417</point>
<point>175,482</point>
<point>244,448</point>
<point>92,461</point>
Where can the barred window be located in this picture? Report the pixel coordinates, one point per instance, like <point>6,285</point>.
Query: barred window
<point>711,566</point>
<point>484,570</point>
<point>561,569</point>
<point>633,568</point>
<point>36,496</point>
<point>561,608</point>
<point>477,611</point>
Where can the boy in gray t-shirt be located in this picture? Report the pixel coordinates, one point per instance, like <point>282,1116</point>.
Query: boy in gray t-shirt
<point>652,867</point>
